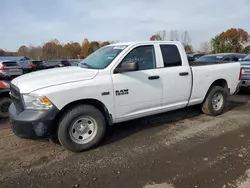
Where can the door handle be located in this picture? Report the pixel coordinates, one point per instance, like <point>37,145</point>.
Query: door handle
<point>153,77</point>
<point>183,73</point>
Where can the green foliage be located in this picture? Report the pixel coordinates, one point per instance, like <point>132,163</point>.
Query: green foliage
<point>188,48</point>
<point>247,50</point>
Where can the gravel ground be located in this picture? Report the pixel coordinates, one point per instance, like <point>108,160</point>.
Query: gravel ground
<point>183,148</point>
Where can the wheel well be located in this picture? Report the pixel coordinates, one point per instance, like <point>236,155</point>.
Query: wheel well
<point>96,103</point>
<point>4,94</point>
<point>220,82</point>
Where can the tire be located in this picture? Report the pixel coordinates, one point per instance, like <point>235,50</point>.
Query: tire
<point>75,126</point>
<point>209,105</point>
<point>4,106</point>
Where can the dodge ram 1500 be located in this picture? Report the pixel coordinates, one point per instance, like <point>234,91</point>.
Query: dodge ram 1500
<point>116,83</point>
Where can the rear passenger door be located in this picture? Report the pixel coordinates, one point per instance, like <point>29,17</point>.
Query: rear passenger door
<point>176,78</point>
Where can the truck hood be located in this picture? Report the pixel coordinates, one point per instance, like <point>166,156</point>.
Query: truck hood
<point>46,78</point>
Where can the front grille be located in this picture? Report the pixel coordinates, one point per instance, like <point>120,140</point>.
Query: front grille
<point>16,98</point>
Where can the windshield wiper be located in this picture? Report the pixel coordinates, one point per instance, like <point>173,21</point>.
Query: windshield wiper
<point>87,65</point>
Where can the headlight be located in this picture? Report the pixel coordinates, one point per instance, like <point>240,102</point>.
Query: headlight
<point>37,102</point>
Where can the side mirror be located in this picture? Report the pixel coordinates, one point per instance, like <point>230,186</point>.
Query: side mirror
<point>127,67</point>
<point>240,59</point>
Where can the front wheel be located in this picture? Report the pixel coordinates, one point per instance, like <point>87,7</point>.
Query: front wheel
<point>215,101</point>
<point>4,107</point>
<point>81,128</point>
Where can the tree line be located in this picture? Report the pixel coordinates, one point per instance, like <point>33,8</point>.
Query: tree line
<point>53,49</point>
<point>231,40</point>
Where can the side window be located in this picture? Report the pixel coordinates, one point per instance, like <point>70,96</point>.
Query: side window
<point>171,55</point>
<point>236,58</point>
<point>226,58</point>
<point>25,58</point>
<point>144,55</point>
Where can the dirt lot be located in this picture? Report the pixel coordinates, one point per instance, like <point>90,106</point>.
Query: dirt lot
<point>183,148</point>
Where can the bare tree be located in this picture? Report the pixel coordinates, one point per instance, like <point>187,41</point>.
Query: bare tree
<point>162,34</point>
<point>174,35</point>
<point>185,38</point>
<point>205,47</point>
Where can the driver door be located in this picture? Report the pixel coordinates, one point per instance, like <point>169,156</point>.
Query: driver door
<point>137,93</point>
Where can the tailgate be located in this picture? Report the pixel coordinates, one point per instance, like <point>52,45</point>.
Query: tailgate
<point>11,66</point>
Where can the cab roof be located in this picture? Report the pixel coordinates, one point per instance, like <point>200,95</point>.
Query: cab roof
<point>141,42</point>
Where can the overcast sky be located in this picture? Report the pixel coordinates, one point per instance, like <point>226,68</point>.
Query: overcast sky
<point>33,22</point>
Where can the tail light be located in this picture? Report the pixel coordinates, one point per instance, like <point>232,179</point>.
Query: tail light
<point>4,84</point>
<point>240,76</point>
<point>32,65</point>
<point>2,66</point>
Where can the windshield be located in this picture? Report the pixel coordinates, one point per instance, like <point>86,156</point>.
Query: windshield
<point>101,58</point>
<point>247,58</point>
<point>209,59</point>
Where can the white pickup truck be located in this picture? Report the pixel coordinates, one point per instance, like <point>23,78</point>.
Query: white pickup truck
<point>116,83</point>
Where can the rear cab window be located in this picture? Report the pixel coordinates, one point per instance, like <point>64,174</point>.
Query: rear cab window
<point>171,55</point>
<point>37,62</point>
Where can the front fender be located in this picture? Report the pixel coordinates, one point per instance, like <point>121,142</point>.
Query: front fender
<point>62,95</point>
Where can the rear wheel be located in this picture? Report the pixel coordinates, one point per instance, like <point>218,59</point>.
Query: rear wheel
<point>215,101</point>
<point>4,107</point>
<point>81,128</point>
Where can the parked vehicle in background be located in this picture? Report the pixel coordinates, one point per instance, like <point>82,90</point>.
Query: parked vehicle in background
<point>74,62</point>
<point>245,80</point>
<point>37,65</point>
<point>25,65</point>
<point>5,100</point>
<point>193,57</point>
<point>57,63</point>
<point>23,62</point>
<point>116,83</point>
<point>9,69</point>
<point>222,57</point>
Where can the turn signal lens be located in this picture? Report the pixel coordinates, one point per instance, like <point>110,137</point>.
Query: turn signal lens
<point>46,100</point>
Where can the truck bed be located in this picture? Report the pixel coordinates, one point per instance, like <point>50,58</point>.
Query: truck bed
<point>204,76</point>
